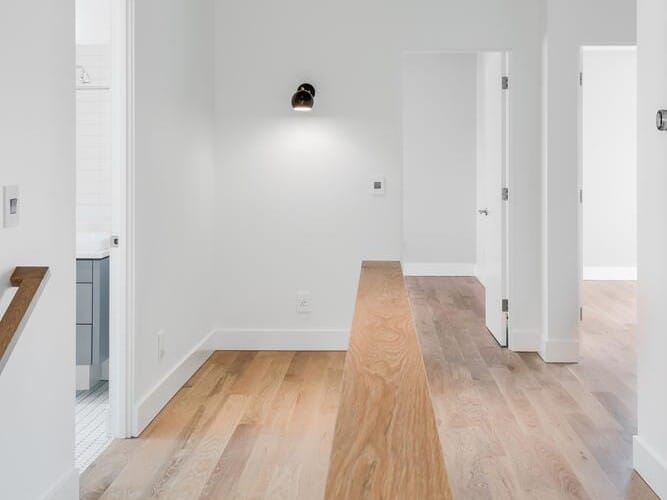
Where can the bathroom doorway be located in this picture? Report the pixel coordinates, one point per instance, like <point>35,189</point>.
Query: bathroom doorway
<point>103,209</point>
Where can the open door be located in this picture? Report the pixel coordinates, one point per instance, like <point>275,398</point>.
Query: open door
<point>493,151</point>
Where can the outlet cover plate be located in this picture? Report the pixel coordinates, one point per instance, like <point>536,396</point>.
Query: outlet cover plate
<point>303,302</point>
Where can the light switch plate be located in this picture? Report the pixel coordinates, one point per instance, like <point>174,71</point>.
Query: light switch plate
<point>378,186</point>
<point>10,206</point>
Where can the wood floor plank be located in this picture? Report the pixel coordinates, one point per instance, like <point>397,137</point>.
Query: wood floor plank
<point>386,443</point>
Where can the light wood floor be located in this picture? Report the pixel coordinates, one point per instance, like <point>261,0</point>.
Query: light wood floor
<point>511,426</point>
<point>248,425</point>
<point>260,425</point>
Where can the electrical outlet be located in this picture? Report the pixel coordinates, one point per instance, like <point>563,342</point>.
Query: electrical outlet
<point>303,302</point>
<point>160,345</point>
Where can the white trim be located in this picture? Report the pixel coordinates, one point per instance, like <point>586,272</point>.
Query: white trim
<point>121,327</point>
<point>650,466</point>
<point>609,48</point>
<point>227,339</point>
<point>438,269</point>
<point>477,273</point>
<point>66,488</point>
<point>560,351</point>
<point>524,340</point>
<point>610,273</point>
<point>156,399</point>
<point>87,376</point>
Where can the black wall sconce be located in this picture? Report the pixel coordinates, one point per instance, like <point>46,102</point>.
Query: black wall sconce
<point>304,98</point>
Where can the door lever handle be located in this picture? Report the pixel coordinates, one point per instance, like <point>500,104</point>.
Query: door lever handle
<point>483,211</point>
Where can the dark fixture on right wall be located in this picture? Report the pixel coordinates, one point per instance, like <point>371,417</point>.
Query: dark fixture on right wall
<point>304,98</point>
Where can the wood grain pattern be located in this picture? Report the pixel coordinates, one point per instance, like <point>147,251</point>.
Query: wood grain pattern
<point>512,426</point>
<point>247,425</point>
<point>386,443</point>
<point>29,281</point>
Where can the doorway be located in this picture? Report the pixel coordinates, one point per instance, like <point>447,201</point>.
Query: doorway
<point>103,214</point>
<point>455,172</point>
<point>608,172</point>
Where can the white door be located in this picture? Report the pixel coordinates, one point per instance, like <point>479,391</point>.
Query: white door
<point>493,153</point>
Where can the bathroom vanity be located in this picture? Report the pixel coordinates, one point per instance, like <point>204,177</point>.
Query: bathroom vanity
<point>92,317</point>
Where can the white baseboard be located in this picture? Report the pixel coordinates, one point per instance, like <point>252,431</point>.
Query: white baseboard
<point>66,488</point>
<point>524,340</point>
<point>650,466</point>
<point>560,351</point>
<point>231,339</point>
<point>438,269</point>
<point>151,404</point>
<point>477,273</point>
<point>610,273</point>
<point>279,340</point>
<point>82,377</point>
<point>87,376</point>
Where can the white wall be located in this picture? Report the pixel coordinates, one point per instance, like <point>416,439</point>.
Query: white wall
<point>650,447</point>
<point>439,163</point>
<point>37,153</point>
<point>570,25</point>
<point>610,163</point>
<point>174,190</point>
<point>93,22</point>
<point>294,211</point>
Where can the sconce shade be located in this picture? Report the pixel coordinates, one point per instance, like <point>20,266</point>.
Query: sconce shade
<point>304,98</point>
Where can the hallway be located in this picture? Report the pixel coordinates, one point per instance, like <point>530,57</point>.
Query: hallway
<point>511,426</point>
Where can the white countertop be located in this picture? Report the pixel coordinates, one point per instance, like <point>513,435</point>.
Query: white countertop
<point>93,245</point>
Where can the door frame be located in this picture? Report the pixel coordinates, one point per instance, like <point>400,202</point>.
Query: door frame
<point>580,164</point>
<point>122,261</point>
<point>507,185</point>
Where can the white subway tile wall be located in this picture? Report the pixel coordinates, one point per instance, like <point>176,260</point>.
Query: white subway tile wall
<point>93,139</point>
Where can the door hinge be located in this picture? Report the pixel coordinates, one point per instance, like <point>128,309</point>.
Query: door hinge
<point>581,196</point>
<point>581,78</point>
<point>115,241</point>
<point>581,314</point>
<point>505,194</point>
<point>505,82</point>
<point>506,305</point>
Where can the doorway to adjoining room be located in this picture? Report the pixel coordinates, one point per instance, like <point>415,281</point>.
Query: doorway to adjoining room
<point>455,172</point>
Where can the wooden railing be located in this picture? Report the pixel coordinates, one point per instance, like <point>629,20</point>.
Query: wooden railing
<point>30,281</point>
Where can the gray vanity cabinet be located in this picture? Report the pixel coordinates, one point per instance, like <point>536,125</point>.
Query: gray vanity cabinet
<point>92,311</point>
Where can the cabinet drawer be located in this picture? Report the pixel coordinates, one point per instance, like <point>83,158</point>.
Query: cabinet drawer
<point>84,271</point>
<point>84,303</point>
<point>84,344</point>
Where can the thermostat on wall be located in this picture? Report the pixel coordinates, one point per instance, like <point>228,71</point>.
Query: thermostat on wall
<point>10,206</point>
<point>377,186</point>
